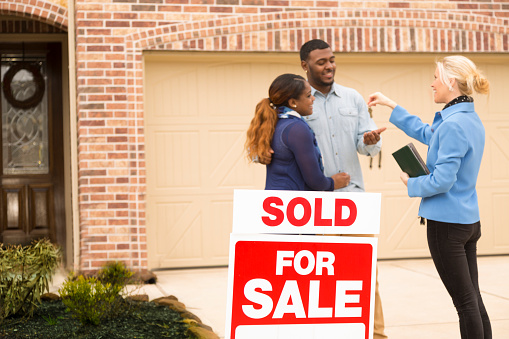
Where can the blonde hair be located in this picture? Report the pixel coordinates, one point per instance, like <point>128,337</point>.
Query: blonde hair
<point>466,73</point>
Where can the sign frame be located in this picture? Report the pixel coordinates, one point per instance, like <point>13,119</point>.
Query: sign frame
<point>231,326</point>
<point>264,221</point>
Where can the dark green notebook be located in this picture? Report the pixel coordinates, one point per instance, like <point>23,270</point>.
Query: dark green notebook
<point>410,161</point>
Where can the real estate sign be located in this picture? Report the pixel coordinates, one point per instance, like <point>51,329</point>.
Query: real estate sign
<point>301,286</point>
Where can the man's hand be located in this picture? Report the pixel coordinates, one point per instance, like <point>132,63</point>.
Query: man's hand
<point>371,138</point>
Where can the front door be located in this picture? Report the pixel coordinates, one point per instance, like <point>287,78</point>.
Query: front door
<point>31,156</point>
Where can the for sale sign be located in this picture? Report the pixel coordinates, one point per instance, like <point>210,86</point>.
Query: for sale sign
<point>304,287</point>
<point>290,286</point>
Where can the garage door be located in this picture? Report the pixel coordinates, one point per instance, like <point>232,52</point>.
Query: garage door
<point>198,107</point>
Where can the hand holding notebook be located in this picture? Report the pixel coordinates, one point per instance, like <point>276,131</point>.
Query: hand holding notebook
<point>410,161</point>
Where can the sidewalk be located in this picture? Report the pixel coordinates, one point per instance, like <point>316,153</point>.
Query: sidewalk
<point>416,305</point>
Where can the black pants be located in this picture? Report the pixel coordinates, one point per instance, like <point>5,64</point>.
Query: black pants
<point>453,248</point>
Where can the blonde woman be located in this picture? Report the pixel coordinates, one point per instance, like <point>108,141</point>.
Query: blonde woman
<point>277,127</point>
<point>449,200</point>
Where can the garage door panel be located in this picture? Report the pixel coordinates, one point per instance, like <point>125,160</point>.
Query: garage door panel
<point>411,89</point>
<point>489,106</point>
<point>224,162</point>
<point>501,234</point>
<point>162,99</point>
<point>232,95</point>
<point>176,157</point>
<point>238,84</point>
<point>229,168</point>
<point>218,238</point>
<point>401,234</point>
<point>179,225</point>
<point>498,138</point>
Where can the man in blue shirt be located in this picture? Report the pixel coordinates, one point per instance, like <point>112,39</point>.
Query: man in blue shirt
<point>342,127</point>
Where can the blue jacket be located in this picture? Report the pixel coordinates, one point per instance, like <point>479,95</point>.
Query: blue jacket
<point>455,147</point>
<point>296,160</point>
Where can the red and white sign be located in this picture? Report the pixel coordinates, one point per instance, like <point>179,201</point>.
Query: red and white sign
<point>305,212</point>
<point>295,286</point>
<point>300,287</point>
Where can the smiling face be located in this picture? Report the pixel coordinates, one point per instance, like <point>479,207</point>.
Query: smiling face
<point>320,68</point>
<point>304,103</point>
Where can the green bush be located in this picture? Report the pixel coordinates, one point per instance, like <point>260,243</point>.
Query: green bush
<point>87,299</point>
<point>116,274</point>
<point>25,274</point>
<point>91,300</point>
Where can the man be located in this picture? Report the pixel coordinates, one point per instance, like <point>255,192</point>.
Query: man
<point>342,127</point>
<point>340,118</point>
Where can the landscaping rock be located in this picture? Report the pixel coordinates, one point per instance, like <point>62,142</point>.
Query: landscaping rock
<point>170,301</point>
<point>203,333</point>
<point>189,315</point>
<point>50,297</point>
<point>207,327</point>
<point>138,297</point>
<point>146,276</point>
<point>173,303</point>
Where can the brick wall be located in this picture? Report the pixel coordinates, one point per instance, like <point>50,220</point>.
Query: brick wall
<point>46,12</point>
<point>111,35</point>
<point>20,26</point>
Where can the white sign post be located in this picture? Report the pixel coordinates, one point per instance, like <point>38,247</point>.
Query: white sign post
<point>286,281</point>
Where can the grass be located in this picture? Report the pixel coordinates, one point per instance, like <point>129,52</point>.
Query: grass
<point>52,320</point>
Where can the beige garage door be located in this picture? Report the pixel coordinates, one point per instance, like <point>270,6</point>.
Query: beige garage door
<point>198,107</point>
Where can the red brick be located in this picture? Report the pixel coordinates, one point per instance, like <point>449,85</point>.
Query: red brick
<point>399,5</point>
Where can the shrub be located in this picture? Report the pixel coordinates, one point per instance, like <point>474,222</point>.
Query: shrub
<point>116,274</point>
<point>91,300</point>
<point>25,274</point>
<point>87,299</point>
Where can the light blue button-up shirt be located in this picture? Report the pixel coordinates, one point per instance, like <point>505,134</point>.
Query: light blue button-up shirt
<point>455,147</point>
<point>339,121</point>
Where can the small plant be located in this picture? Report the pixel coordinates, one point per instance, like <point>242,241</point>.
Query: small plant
<point>91,300</point>
<point>116,274</point>
<point>87,299</point>
<point>25,274</point>
<point>50,321</point>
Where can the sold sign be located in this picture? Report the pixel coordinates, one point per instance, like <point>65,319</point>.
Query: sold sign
<point>295,286</point>
<point>304,212</point>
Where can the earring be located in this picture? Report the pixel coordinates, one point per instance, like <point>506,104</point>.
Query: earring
<point>294,106</point>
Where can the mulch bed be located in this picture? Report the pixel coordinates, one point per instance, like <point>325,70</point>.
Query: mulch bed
<point>51,320</point>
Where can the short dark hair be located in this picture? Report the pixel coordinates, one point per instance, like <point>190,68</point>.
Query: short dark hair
<point>310,46</point>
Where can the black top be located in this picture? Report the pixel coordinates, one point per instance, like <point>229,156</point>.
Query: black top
<point>461,98</point>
